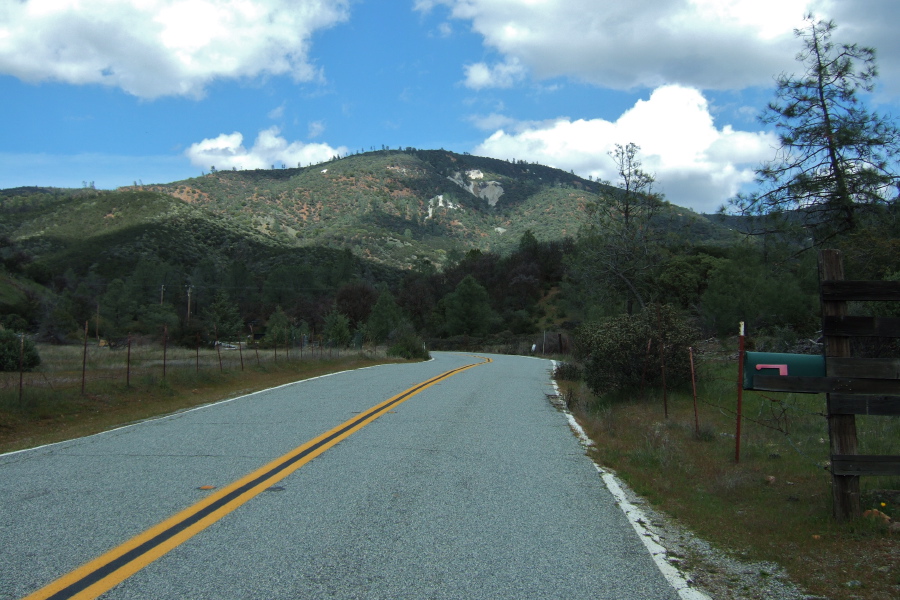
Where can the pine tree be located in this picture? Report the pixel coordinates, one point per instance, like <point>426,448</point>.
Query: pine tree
<point>836,157</point>
<point>468,308</point>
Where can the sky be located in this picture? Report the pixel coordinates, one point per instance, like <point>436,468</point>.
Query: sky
<point>118,92</point>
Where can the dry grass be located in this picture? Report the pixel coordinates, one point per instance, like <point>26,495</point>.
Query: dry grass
<point>53,408</point>
<point>776,503</point>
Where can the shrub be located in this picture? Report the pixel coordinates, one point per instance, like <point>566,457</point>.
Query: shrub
<point>567,372</point>
<point>11,349</point>
<point>410,346</point>
<point>615,351</point>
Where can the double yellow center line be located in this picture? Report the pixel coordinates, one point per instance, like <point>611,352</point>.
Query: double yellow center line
<point>120,563</point>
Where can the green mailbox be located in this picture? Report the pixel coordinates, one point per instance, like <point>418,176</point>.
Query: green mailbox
<point>785,365</point>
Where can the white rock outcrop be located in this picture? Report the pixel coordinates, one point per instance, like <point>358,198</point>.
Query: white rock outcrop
<point>439,202</point>
<point>489,190</point>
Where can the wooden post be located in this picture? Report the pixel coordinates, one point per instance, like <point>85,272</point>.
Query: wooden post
<point>165,346</point>
<point>740,394</point>
<point>841,428</point>
<point>218,348</point>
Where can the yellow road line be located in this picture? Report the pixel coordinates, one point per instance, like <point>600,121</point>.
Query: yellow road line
<point>120,563</point>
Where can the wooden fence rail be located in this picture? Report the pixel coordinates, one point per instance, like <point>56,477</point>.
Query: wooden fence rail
<point>853,385</point>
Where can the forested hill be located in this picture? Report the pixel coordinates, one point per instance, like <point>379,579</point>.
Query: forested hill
<point>415,221</point>
<point>400,207</point>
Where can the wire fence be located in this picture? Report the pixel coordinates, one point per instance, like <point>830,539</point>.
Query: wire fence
<point>92,367</point>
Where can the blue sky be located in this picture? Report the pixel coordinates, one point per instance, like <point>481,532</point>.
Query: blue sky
<point>118,91</point>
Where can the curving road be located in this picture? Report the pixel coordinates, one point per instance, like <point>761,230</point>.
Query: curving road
<point>471,486</point>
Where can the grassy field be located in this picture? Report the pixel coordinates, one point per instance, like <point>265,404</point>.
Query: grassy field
<point>119,389</point>
<point>775,504</point>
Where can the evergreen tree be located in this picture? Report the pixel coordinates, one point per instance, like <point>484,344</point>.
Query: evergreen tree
<point>117,308</point>
<point>337,329</point>
<point>277,327</point>
<point>836,156</point>
<point>11,351</point>
<point>467,309</point>
<point>223,317</point>
<point>384,318</point>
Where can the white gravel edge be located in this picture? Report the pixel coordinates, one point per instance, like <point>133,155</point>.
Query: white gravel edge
<point>634,515</point>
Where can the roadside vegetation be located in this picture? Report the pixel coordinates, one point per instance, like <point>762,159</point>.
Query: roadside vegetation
<point>53,406</point>
<point>775,503</point>
<point>395,249</point>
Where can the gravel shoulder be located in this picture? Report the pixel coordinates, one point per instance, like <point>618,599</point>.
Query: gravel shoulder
<point>716,573</point>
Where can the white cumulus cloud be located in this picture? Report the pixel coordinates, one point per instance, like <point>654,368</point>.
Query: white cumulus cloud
<point>708,44</point>
<point>152,48</point>
<point>696,164</point>
<point>503,75</point>
<point>228,151</point>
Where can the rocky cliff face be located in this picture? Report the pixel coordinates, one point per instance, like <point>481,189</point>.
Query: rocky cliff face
<point>489,190</point>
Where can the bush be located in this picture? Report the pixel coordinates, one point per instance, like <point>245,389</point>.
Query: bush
<point>567,372</point>
<point>615,351</point>
<point>11,349</point>
<point>410,346</point>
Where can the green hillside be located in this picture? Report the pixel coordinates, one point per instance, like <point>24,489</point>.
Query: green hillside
<point>315,239</point>
<point>397,208</point>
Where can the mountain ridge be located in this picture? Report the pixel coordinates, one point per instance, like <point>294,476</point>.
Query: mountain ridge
<point>398,210</point>
<point>400,207</point>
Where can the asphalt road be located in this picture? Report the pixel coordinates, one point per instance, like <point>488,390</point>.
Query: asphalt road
<point>473,487</point>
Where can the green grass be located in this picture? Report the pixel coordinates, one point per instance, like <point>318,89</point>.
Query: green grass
<point>775,504</point>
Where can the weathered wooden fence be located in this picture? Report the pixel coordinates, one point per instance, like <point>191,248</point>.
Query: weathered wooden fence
<point>853,385</point>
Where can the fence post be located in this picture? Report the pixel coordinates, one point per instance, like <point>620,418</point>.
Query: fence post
<point>165,346</point>
<point>218,348</point>
<point>740,394</point>
<point>841,428</point>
